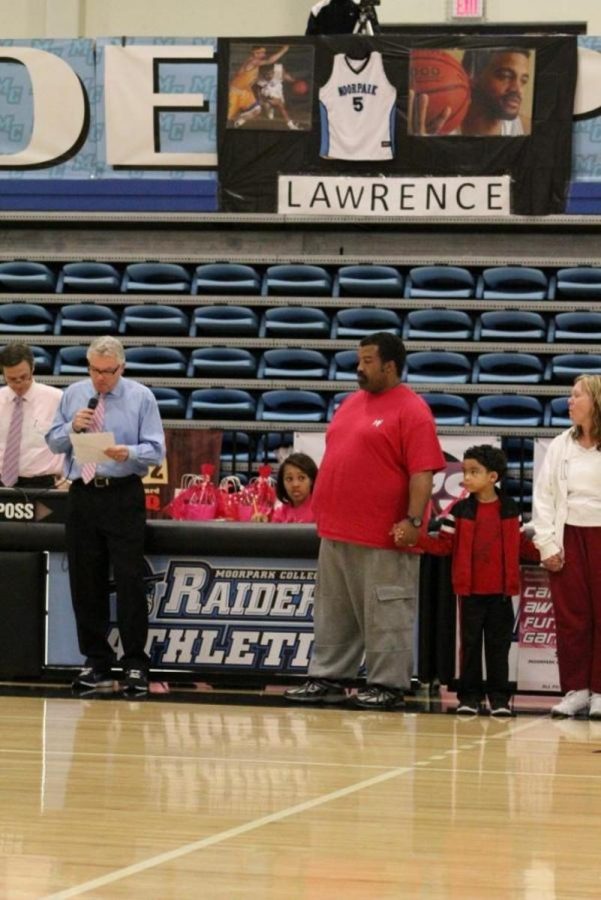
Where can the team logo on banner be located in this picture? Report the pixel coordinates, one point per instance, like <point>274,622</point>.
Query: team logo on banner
<point>254,617</point>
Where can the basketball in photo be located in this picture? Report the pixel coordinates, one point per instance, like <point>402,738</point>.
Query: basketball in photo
<point>300,87</point>
<point>441,78</point>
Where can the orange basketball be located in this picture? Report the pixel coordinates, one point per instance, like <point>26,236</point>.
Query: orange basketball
<point>446,83</point>
<point>300,87</point>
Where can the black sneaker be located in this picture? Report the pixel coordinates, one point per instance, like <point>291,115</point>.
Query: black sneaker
<point>317,690</point>
<point>500,710</point>
<point>375,696</point>
<point>89,677</point>
<point>468,708</point>
<point>136,681</point>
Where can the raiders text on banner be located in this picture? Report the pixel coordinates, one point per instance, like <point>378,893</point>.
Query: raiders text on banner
<point>310,195</point>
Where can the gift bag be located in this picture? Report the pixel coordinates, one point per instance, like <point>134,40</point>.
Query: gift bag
<point>228,498</point>
<point>260,495</point>
<point>196,499</point>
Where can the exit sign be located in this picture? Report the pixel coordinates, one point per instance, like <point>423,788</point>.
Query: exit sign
<point>467,9</point>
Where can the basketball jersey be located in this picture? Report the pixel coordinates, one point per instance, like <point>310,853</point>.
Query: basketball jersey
<point>244,78</point>
<point>357,109</point>
<point>273,88</point>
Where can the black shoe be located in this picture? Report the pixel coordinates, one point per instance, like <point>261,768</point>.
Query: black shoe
<point>317,690</point>
<point>89,677</point>
<point>468,708</point>
<point>136,681</point>
<point>375,696</point>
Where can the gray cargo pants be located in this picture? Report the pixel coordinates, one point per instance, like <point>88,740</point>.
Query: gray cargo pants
<point>365,602</point>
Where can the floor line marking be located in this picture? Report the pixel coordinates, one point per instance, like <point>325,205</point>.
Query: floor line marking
<point>255,824</point>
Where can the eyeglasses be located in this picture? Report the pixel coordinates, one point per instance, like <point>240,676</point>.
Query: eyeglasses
<point>94,371</point>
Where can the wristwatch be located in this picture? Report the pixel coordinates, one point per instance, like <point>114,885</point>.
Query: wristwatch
<point>416,521</point>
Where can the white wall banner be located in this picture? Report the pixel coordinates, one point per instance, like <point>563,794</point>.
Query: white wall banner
<point>330,195</point>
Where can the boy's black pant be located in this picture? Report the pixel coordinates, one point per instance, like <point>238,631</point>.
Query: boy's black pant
<point>489,616</point>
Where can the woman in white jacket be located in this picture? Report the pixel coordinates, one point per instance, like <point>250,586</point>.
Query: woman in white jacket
<point>567,531</point>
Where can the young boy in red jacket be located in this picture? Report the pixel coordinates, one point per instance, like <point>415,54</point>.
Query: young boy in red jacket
<point>484,534</point>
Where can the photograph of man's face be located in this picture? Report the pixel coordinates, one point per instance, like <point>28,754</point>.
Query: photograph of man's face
<point>473,93</point>
<point>501,92</point>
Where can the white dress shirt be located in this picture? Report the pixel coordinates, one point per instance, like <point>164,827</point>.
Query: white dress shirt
<point>40,403</point>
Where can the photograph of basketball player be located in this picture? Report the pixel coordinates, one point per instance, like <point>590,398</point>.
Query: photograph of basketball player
<point>475,93</point>
<point>266,95</point>
<point>271,93</point>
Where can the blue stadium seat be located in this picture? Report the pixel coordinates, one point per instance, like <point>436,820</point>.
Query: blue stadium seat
<point>171,402</point>
<point>236,321</point>
<point>71,361</point>
<point>25,318</point>
<point>235,447</point>
<point>519,489</point>
<point>86,318</point>
<point>293,363</point>
<point>565,367</point>
<point>556,413</point>
<point>294,322</point>
<point>437,366</point>
<point>226,278</point>
<point>151,278</point>
<point>513,368</point>
<point>344,366</point>
<point>155,361</point>
<point>335,402</point>
<point>575,326</point>
<point>297,279</point>
<point>507,410</point>
<point>222,362</point>
<point>514,283</point>
<point>438,324</point>
<point>368,281</point>
<point>154,318</point>
<point>510,325</point>
<point>88,277</point>
<point>291,406</point>
<point>42,360</point>
<point>579,281</point>
<point>519,452</point>
<point>361,321</point>
<point>448,409</point>
<point>270,446</point>
<point>440,281</point>
<point>221,403</point>
<point>23,275</point>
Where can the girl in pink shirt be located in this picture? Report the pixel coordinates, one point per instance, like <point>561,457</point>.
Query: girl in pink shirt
<point>294,486</point>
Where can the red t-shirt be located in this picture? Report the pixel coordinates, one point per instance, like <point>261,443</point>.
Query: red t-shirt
<point>374,443</point>
<point>287,513</point>
<point>487,550</point>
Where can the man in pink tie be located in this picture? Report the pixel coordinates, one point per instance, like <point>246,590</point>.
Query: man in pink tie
<point>106,512</point>
<point>27,409</point>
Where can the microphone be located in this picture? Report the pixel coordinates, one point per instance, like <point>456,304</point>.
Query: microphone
<point>92,404</point>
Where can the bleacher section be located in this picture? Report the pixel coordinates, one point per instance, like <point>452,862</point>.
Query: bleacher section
<point>260,350</point>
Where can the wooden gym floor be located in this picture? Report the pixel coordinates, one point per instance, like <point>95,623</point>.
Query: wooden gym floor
<point>223,795</point>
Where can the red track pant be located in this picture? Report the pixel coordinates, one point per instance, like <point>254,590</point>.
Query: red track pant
<point>576,593</point>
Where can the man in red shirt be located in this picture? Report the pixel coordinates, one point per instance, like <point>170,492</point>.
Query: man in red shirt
<point>381,453</point>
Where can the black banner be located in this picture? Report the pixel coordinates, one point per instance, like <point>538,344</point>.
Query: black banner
<point>391,105</point>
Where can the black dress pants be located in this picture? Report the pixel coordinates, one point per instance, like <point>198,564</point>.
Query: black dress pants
<point>488,617</point>
<point>105,526</point>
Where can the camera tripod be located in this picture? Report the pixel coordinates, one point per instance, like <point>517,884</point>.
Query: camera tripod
<point>367,23</point>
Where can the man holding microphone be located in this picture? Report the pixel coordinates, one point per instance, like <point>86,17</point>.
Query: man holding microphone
<point>106,512</point>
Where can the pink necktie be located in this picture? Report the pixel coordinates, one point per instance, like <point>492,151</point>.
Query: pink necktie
<point>10,463</point>
<point>88,470</point>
